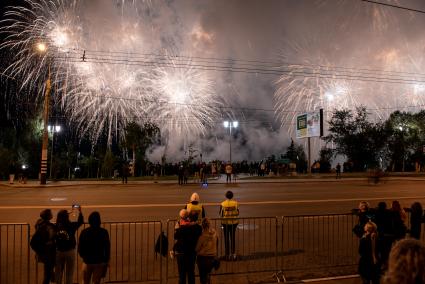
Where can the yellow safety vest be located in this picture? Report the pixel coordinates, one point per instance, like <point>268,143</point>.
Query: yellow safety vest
<point>229,210</point>
<point>195,208</point>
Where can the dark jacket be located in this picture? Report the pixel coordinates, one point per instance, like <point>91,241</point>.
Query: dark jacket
<point>67,230</point>
<point>47,254</point>
<point>94,246</point>
<point>368,266</point>
<point>186,237</point>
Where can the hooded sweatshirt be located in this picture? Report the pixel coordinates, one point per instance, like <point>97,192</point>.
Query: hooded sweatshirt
<point>207,243</point>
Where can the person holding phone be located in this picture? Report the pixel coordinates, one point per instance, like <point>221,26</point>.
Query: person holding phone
<point>66,244</point>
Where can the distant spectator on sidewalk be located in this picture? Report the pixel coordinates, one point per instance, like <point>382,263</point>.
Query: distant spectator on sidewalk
<point>407,263</point>
<point>369,268</point>
<point>416,220</point>
<point>194,207</point>
<point>180,173</point>
<point>125,172</point>
<point>206,250</point>
<point>186,174</point>
<point>229,171</point>
<point>338,170</point>
<point>44,244</point>
<point>229,211</point>
<point>94,248</point>
<point>65,245</point>
<point>186,237</point>
<point>12,172</point>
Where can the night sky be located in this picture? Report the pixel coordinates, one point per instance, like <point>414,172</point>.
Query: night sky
<point>365,54</point>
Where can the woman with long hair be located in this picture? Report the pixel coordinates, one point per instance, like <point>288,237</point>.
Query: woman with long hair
<point>206,250</point>
<point>399,218</point>
<point>65,245</point>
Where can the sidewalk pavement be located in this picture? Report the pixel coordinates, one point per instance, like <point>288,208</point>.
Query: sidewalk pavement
<point>241,180</point>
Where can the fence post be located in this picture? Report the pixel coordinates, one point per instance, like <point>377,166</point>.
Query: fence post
<point>28,254</point>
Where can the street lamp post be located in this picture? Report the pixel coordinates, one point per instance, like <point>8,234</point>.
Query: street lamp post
<point>42,48</point>
<point>230,125</point>
<point>53,129</point>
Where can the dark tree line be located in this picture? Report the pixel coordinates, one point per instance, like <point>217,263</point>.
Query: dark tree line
<point>396,144</point>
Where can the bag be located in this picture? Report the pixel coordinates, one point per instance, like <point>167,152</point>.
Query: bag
<point>63,241</point>
<point>37,243</point>
<point>216,263</point>
<point>161,245</point>
<point>358,230</point>
<point>39,240</point>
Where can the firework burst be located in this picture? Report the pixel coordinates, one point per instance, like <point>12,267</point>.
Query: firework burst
<point>93,73</point>
<point>183,100</point>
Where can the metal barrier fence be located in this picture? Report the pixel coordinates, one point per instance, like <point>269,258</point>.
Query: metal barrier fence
<point>256,247</point>
<point>14,253</point>
<point>263,244</point>
<point>317,242</point>
<point>132,253</point>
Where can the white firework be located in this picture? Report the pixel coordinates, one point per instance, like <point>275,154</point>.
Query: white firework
<point>183,100</point>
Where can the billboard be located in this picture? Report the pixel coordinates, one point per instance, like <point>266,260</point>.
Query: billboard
<point>310,124</point>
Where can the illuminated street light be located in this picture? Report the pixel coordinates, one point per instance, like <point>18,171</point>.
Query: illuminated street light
<point>230,125</point>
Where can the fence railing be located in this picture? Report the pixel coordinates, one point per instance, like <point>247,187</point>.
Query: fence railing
<point>14,253</point>
<point>256,242</point>
<point>263,244</point>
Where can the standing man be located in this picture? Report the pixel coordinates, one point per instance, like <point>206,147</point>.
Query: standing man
<point>195,208</point>
<point>181,174</point>
<point>229,170</point>
<point>186,236</point>
<point>43,243</point>
<point>94,248</point>
<point>338,171</point>
<point>229,211</point>
<point>125,172</point>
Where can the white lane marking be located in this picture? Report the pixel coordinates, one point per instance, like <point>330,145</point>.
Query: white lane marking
<point>173,205</point>
<point>58,199</point>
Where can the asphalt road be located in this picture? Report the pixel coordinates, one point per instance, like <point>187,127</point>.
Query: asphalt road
<point>133,202</point>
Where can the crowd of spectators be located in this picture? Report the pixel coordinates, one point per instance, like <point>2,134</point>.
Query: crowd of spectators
<point>381,230</point>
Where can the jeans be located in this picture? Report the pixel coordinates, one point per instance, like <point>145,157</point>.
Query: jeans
<point>95,271</point>
<point>186,267</point>
<point>229,231</point>
<point>65,263</point>
<point>48,271</point>
<point>228,177</point>
<point>205,265</point>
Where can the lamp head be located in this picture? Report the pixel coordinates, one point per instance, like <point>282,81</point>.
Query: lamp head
<point>226,124</point>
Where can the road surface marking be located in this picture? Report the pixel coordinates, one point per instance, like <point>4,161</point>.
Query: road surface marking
<point>58,199</point>
<point>173,205</point>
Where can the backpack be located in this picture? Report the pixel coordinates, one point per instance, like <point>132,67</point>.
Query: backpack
<point>38,240</point>
<point>63,241</point>
<point>161,245</point>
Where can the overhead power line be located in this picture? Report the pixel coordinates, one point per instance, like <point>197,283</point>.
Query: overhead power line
<point>395,6</point>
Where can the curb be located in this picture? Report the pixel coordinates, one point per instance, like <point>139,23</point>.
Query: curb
<point>330,278</point>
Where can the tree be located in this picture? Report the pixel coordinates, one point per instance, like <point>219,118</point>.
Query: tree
<point>296,154</point>
<point>406,138</point>
<point>325,160</point>
<point>361,141</point>
<point>140,138</point>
